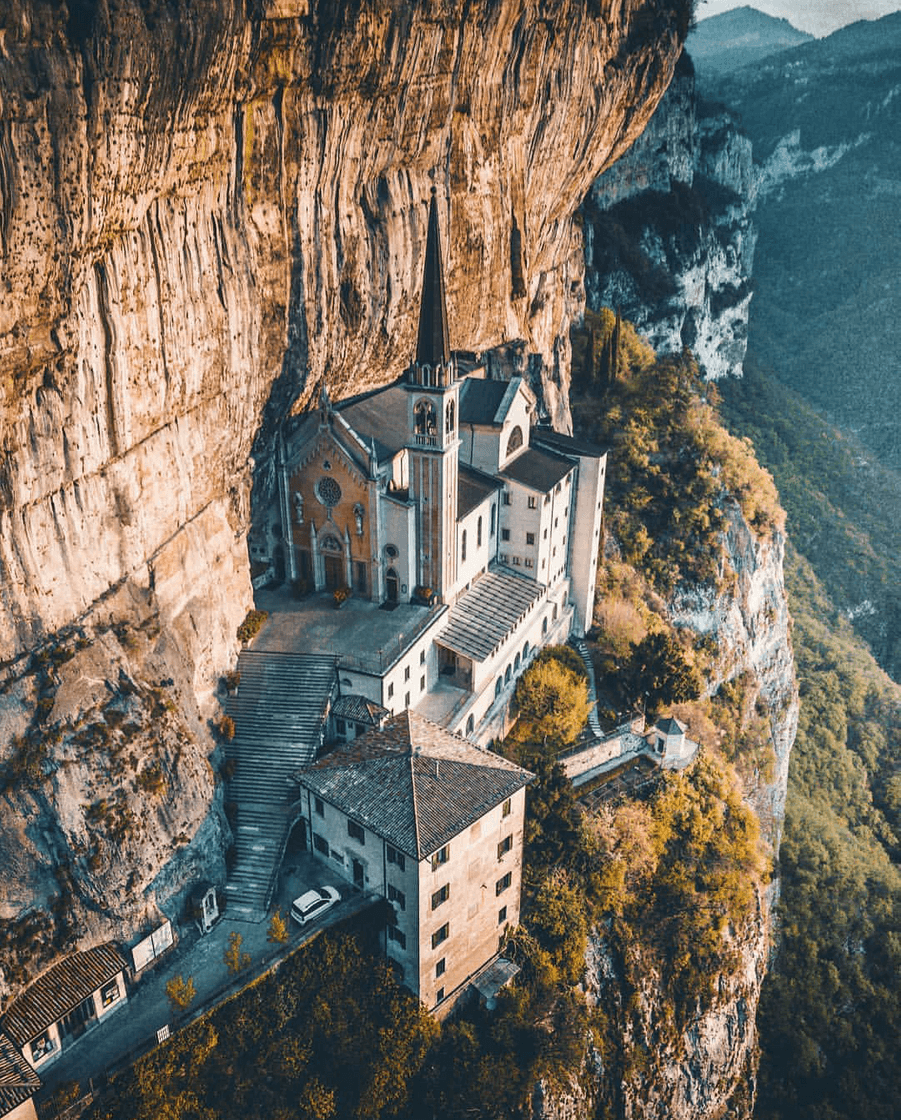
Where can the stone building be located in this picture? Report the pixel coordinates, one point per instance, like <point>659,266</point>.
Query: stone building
<point>434,825</point>
<point>441,489</point>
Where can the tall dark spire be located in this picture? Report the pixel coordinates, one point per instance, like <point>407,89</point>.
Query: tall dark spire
<point>433,344</point>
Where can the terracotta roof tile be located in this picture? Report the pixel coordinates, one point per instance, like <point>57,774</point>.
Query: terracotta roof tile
<point>18,1081</point>
<point>413,783</point>
<point>59,990</point>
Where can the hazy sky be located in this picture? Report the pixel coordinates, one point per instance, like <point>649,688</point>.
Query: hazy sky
<point>818,17</point>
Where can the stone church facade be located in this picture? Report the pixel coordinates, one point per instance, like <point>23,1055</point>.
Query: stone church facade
<point>441,489</point>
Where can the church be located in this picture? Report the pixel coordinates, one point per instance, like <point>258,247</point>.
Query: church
<point>442,490</point>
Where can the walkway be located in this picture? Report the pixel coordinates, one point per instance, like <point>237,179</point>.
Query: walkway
<point>122,1037</point>
<point>594,723</point>
<point>279,714</point>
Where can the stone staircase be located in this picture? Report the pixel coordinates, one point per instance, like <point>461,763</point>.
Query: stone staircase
<point>279,713</point>
<point>594,724</point>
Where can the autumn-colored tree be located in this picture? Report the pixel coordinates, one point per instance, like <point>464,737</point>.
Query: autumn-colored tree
<point>235,960</point>
<point>181,992</point>
<point>659,673</point>
<point>278,929</point>
<point>552,702</point>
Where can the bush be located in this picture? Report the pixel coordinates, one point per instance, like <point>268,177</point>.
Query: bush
<point>226,728</point>
<point>181,992</point>
<point>552,702</point>
<point>251,625</point>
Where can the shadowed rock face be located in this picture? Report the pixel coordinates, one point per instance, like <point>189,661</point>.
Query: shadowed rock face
<point>210,207</point>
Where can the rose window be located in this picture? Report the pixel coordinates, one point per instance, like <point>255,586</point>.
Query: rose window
<point>328,491</point>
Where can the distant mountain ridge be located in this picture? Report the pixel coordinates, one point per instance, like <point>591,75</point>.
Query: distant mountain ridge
<point>740,37</point>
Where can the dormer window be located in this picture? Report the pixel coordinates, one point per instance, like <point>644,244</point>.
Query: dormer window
<point>515,441</point>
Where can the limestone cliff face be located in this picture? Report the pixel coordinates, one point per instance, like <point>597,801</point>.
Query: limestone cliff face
<point>207,210</point>
<point>668,234</point>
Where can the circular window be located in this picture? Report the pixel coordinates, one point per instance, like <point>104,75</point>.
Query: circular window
<point>391,552</point>
<point>328,492</point>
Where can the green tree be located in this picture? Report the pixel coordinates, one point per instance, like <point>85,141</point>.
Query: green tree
<point>181,992</point>
<point>235,960</point>
<point>659,673</point>
<point>552,702</point>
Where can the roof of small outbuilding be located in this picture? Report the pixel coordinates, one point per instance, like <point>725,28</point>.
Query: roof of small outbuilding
<point>413,783</point>
<point>59,990</point>
<point>18,1081</point>
<point>358,708</point>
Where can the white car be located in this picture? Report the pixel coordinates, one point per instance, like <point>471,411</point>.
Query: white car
<point>313,904</point>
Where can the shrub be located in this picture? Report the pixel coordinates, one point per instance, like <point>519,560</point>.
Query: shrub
<point>251,625</point>
<point>181,992</point>
<point>278,929</point>
<point>235,960</point>
<point>226,728</point>
<point>552,702</point>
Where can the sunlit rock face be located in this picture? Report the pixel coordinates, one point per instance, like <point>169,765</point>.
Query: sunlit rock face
<point>207,211</point>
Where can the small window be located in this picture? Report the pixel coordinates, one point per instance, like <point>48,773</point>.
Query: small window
<point>109,993</point>
<point>440,935</point>
<point>320,843</point>
<point>440,967</point>
<point>502,915</point>
<point>507,808</point>
<point>479,533</point>
<point>422,657</point>
<point>439,995</point>
<point>533,501</point>
<point>320,807</point>
<point>390,690</point>
<point>463,546</point>
<point>422,684</point>
<point>397,936</point>
<point>440,896</point>
<point>530,563</point>
<point>505,534</point>
<point>394,895</point>
<point>356,832</point>
<point>545,535</point>
<point>501,885</point>
<point>493,511</point>
<point>556,522</point>
<point>508,498</point>
<point>396,857</point>
<point>515,441</point>
<point>340,726</point>
<point>530,538</point>
<point>505,845</point>
<point>406,699</point>
<point>517,562</point>
<point>41,1045</point>
<point>440,857</point>
<point>470,725</point>
<point>503,557</point>
<point>407,673</point>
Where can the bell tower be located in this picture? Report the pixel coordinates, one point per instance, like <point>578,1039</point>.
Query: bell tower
<point>433,400</point>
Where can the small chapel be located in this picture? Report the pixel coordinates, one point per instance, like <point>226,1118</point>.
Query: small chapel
<point>442,489</point>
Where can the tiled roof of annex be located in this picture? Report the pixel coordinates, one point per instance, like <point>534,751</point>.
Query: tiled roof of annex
<point>18,1081</point>
<point>358,708</point>
<point>413,783</point>
<point>59,990</point>
<point>537,469</point>
<point>488,612</point>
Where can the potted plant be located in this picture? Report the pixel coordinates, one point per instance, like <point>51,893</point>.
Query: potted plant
<point>341,595</point>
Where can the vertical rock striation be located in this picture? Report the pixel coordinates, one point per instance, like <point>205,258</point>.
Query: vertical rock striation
<point>208,210</point>
<point>668,235</point>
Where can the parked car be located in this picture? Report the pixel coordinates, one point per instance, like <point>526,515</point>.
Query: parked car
<point>313,904</point>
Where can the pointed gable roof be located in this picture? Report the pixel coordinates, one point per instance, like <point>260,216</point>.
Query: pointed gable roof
<point>413,783</point>
<point>433,342</point>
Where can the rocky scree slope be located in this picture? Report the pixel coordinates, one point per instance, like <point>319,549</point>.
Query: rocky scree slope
<point>208,210</point>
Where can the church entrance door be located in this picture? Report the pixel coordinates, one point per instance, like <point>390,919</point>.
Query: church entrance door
<point>334,572</point>
<point>391,585</point>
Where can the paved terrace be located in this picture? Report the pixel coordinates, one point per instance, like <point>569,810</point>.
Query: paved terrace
<point>362,634</point>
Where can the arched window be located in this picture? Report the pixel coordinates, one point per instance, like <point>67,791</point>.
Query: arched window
<point>493,508</point>
<point>544,627</point>
<point>507,675</point>
<point>449,418</point>
<point>463,546</point>
<point>516,664</point>
<point>425,418</point>
<point>479,533</point>
<point>525,651</point>
<point>498,685</point>
<point>470,724</point>
<point>515,440</point>
<point>331,544</point>
<point>555,612</point>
